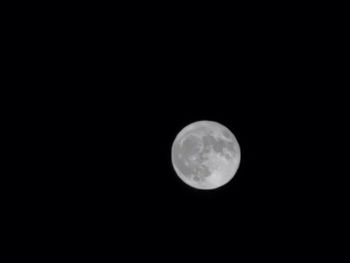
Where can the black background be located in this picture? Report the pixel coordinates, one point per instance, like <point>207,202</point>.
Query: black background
<point>111,97</point>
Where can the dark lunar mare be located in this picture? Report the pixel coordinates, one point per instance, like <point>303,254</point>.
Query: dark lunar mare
<point>219,144</point>
<point>191,146</point>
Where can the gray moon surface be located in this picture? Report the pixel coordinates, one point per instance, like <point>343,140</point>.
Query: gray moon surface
<point>205,155</point>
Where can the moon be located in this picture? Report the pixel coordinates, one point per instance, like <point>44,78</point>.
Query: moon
<point>205,155</point>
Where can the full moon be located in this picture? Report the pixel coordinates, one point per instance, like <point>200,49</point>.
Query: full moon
<point>205,155</point>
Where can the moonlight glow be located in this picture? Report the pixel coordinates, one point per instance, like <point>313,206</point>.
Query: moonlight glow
<point>205,155</point>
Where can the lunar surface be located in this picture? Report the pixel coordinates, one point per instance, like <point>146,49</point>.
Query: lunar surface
<point>205,155</point>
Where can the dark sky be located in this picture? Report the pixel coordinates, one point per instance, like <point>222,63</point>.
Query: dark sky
<point>115,105</point>
<point>116,162</point>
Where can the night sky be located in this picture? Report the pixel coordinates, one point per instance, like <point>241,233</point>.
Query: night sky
<point>110,110</point>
